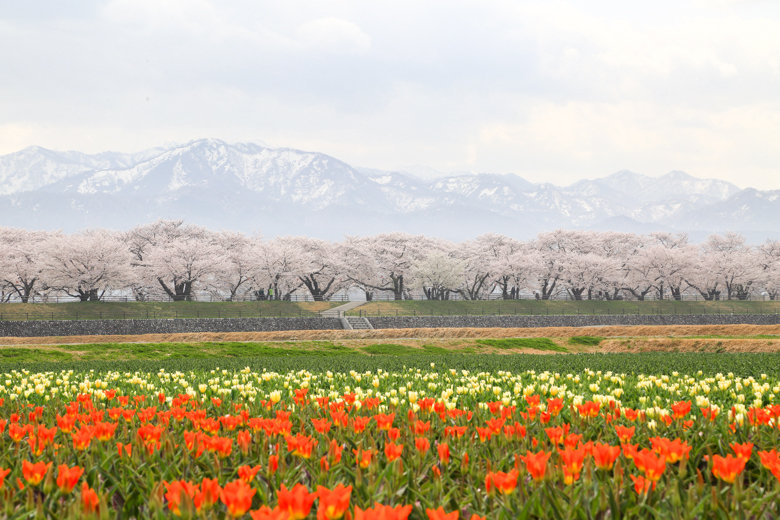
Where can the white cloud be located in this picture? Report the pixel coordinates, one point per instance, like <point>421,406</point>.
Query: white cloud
<point>333,35</point>
<point>553,90</point>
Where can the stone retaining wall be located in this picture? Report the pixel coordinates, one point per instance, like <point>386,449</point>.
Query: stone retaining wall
<point>414,322</point>
<point>168,326</point>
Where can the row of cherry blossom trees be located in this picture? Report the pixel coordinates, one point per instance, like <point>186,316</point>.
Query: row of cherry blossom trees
<point>184,261</point>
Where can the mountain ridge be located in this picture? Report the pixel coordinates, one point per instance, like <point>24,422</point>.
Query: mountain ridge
<point>251,186</point>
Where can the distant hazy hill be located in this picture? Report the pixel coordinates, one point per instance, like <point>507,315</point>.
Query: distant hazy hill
<point>284,191</point>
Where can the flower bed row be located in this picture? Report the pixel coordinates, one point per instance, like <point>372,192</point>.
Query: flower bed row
<point>411,444</point>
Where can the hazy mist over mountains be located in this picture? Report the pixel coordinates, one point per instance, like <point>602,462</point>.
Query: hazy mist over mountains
<point>278,191</point>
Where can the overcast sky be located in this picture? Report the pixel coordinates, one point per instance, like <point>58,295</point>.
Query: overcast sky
<point>551,90</point>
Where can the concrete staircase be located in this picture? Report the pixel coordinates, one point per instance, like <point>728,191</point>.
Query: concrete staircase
<point>358,323</point>
<point>348,322</point>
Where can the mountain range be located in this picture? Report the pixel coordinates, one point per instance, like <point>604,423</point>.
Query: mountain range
<point>255,187</point>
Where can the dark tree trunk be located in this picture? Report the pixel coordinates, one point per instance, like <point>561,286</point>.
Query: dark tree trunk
<point>182,291</point>
<point>317,292</point>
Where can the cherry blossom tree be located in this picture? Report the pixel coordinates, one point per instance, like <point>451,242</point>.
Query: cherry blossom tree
<point>620,248</point>
<point>180,260</point>
<point>673,261</point>
<point>394,255</point>
<point>273,269</point>
<point>87,264</point>
<point>501,255</point>
<point>359,265</point>
<point>175,256</point>
<point>588,274</point>
<point>316,266</point>
<point>769,264</point>
<point>640,275</point>
<point>437,275</point>
<point>238,275</point>
<point>733,262</point>
<point>22,260</point>
<point>564,261</point>
<point>552,248</point>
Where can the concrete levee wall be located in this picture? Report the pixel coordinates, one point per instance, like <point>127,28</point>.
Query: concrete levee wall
<point>168,326</point>
<point>414,322</point>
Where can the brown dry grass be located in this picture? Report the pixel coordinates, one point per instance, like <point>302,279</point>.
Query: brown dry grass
<point>737,345</point>
<point>398,334</point>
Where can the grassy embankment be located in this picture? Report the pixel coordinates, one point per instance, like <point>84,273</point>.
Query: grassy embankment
<point>360,347</point>
<point>557,307</point>
<point>144,310</point>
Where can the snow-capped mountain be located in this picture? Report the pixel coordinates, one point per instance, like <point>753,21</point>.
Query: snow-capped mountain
<point>35,167</point>
<point>252,186</point>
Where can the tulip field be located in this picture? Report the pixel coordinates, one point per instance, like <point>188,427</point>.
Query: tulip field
<point>434,437</point>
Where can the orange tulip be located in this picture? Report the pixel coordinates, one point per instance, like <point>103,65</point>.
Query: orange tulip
<point>363,457</point>
<point>422,444</point>
<point>124,449</point>
<point>244,440</point>
<point>247,473</point>
<point>237,497</point>
<point>503,482</point>
<point>384,421</point>
<point>301,445</point>
<point>681,409</point>
<point>150,436</point>
<point>485,434</point>
<point>266,513</point>
<point>728,468</point>
<point>572,459</point>
<point>589,409</point>
<point>393,451</point>
<point>16,432</point>
<point>105,431</point>
<point>359,424</point>
<point>444,452</point>
<point>455,431</point>
<point>321,425</point>
<point>536,464</point>
<point>34,473</point>
<point>333,503</point>
<point>67,478</point>
<point>176,491</point>
<point>89,499</point>
<point>381,512</point>
<point>641,485</point>
<point>83,437</point>
<point>653,467</point>
<point>273,463</point>
<point>742,450</point>
<point>439,514</point>
<point>297,502</point>
<point>624,434</point>
<point>3,473</point>
<point>208,495</point>
<point>554,406</point>
<point>66,423</point>
<point>672,451</point>
<point>555,434</point>
<point>421,428</point>
<point>605,455</point>
<point>709,413</point>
